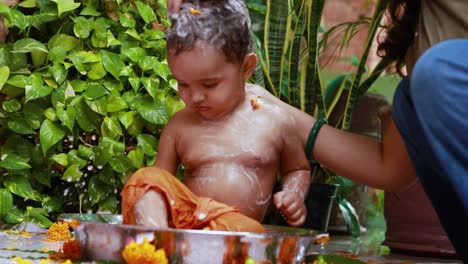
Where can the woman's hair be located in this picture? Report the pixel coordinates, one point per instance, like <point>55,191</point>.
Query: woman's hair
<point>400,33</point>
<point>225,24</point>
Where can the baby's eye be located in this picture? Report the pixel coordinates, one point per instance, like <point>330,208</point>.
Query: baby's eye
<point>210,85</point>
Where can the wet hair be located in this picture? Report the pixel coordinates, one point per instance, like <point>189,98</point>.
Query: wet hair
<point>225,24</point>
<point>400,33</point>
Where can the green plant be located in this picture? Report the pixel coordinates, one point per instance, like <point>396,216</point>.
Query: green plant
<point>289,67</point>
<point>84,90</point>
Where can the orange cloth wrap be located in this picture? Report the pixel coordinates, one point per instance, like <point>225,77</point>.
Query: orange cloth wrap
<point>187,211</point>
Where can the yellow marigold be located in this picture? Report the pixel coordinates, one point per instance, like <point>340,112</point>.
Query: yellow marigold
<point>144,253</point>
<point>58,231</point>
<point>20,260</point>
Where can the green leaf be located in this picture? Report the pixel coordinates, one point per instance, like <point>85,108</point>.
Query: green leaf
<point>151,85</point>
<point>42,176</point>
<point>113,63</point>
<point>67,117</point>
<point>75,159</point>
<point>58,72</point>
<point>35,88</point>
<point>134,54</point>
<point>99,105</point>
<point>98,190</point>
<point>4,74</point>
<point>90,10</point>
<point>111,128</point>
<point>94,91</point>
<point>38,216</point>
<point>18,19</point>
<point>64,6</point>
<point>18,81</point>
<point>113,147</point>
<point>52,204</point>
<point>116,103</point>
<point>121,163</point>
<point>148,143</point>
<point>145,11</point>
<point>12,105</point>
<point>6,201</point>
<point>97,71</point>
<point>20,126</point>
<point>15,216</point>
<point>85,152</point>
<point>127,20</point>
<point>153,111</point>
<point>72,174</point>
<point>83,117</point>
<point>19,185</point>
<point>49,113</point>
<point>82,27</point>
<point>126,118</point>
<point>49,134</point>
<point>26,45</point>
<point>109,204</point>
<point>28,4</point>
<point>33,114</point>
<point>350,216</point>
<point>16,144</point>
<point>14,162</point>
<point>137,156</point>
<point>60,158</point>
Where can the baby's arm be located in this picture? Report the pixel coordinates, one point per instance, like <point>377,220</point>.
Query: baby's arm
<point>167,157</point>
<point>295,172</point>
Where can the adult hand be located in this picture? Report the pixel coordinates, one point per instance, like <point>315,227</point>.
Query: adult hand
<point>173,6</point>
<point>291,204</point>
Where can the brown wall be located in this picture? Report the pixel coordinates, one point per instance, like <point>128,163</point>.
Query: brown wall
<point>338,11</point>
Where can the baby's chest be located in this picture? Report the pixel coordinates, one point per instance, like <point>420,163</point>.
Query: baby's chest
<point>248,147</point>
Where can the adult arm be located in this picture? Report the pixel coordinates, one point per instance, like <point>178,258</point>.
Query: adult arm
<point>381,164</point>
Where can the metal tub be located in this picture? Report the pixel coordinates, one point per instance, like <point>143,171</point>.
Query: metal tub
<point>102,237</point>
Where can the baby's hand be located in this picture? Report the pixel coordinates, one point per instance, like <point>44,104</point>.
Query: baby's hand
<point>292,205</point>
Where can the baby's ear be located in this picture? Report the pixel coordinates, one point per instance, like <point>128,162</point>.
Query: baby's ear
<point>248,66</point>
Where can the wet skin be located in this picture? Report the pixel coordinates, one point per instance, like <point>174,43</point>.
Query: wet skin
<point>232,151</point>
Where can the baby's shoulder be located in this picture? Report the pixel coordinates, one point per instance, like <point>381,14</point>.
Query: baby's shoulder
<point>178,120</point>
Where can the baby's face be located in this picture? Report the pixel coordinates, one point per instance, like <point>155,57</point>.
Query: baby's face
<point>208,84</point>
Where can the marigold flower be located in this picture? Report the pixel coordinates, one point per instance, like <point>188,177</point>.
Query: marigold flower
<point>20,260</point>
<point>144,253</point>
<point>195,12</point>
<point>58,231</point>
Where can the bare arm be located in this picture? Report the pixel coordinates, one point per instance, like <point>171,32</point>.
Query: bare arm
<point>166,157</point>
<point>384,165</point>
<point>173,6</point>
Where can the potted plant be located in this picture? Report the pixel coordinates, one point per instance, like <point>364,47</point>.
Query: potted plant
<point>84,92</point>
<point>289,52</point>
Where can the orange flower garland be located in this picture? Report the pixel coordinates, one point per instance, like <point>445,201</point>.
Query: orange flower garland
<point>58,231</point>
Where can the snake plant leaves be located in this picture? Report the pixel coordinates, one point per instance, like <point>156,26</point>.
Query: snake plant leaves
<point>14,162</point>
<point>72,173</point>
<point>153,110</point>
<point>148,143</point>
<point>26,45</point>
<point>112,62</point>
<point>64,6</point>
<point>111,128</point>
<point>4,74</point>
<point>19,184</point>
<point>49,134</point>
<point>6,201</point>
<point>145,11</point>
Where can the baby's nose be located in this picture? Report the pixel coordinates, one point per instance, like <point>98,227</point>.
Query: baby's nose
<point>197,97</point>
